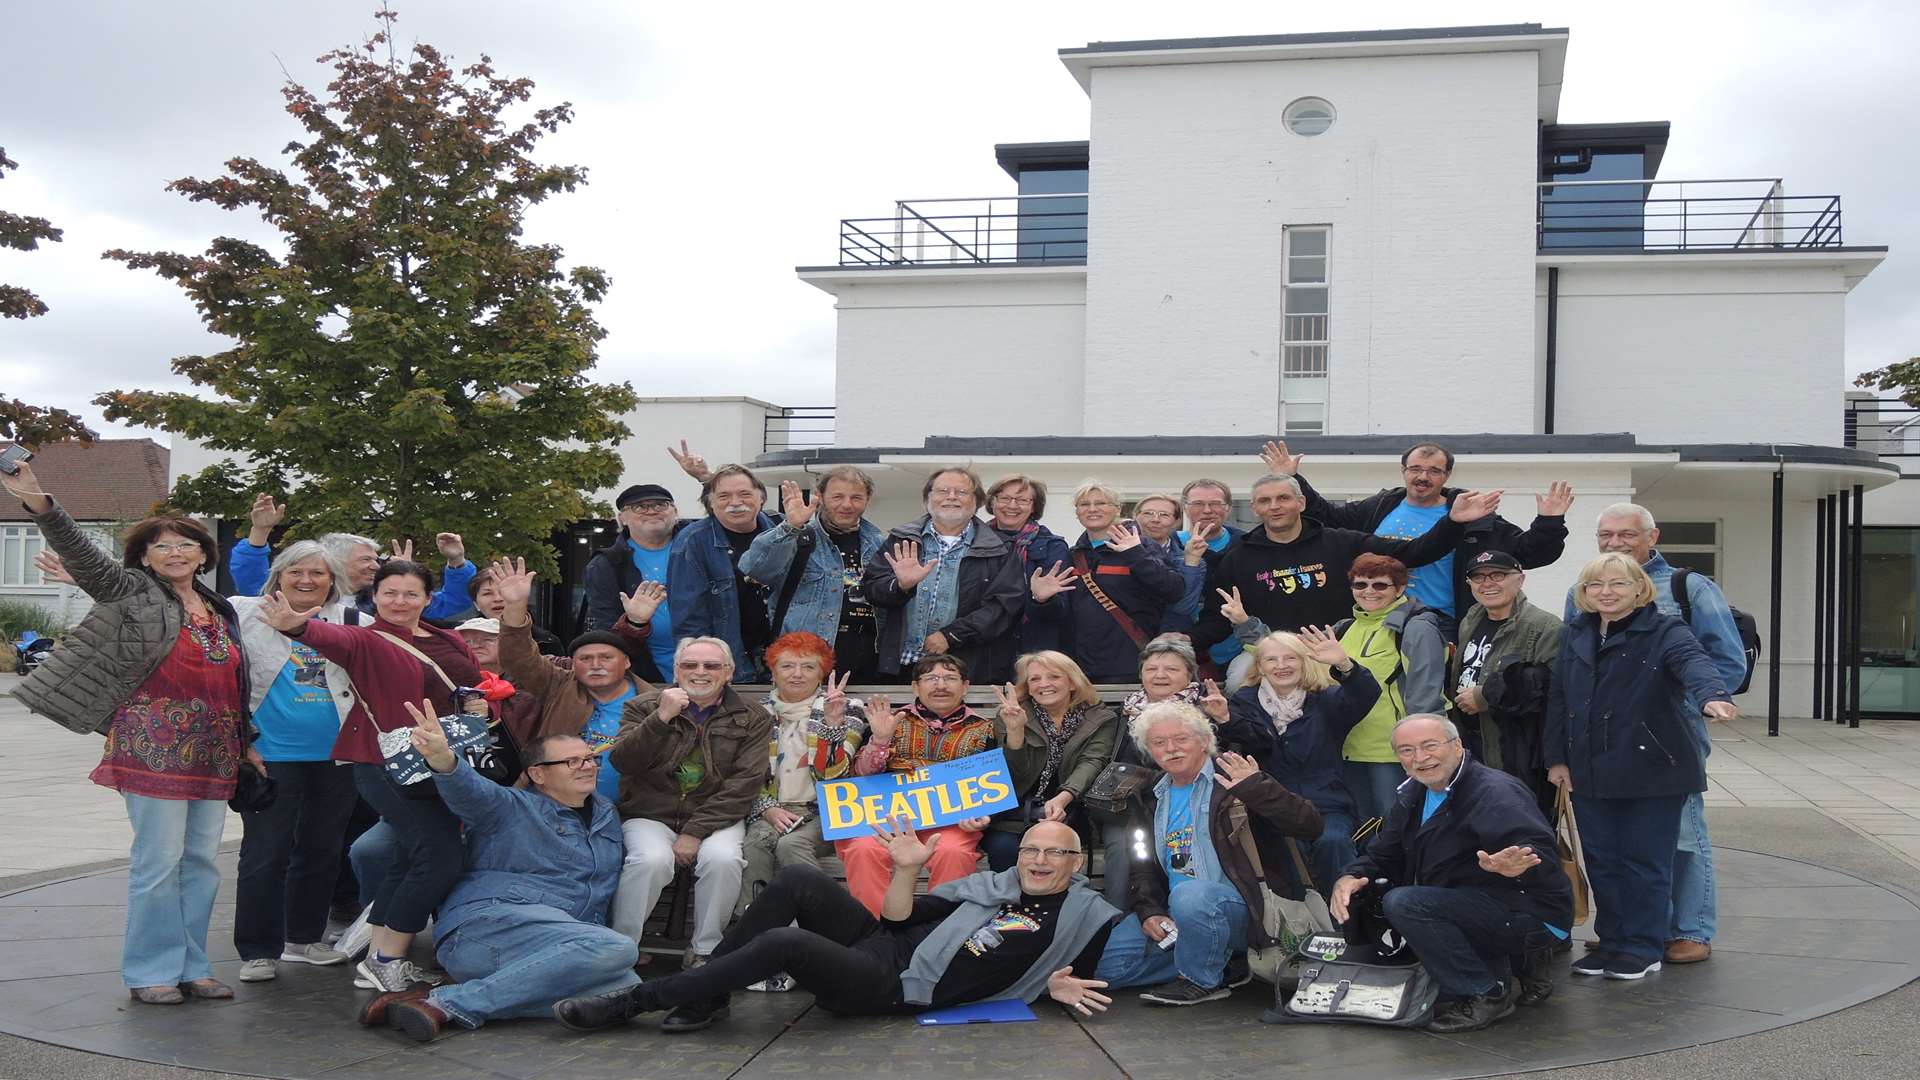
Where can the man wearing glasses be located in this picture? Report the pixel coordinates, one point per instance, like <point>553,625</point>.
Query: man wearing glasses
<point>692,758</point>
<point>526,923</point>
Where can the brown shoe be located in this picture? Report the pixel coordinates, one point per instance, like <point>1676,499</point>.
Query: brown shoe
<point>419,1019</point>
<point>1683,951</point>
<point>374,1013</point>
<point>210,989</point>
<point>156,995</point>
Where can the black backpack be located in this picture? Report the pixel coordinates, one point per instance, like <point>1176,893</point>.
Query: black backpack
<point>1749,629</point>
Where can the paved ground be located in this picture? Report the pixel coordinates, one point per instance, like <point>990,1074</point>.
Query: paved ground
<point>1839,798</point>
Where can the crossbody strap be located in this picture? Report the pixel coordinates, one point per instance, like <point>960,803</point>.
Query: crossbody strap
<point>420,656</point>
<point>1100,597</point>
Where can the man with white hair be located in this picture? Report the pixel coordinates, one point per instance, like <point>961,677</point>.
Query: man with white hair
<point>1629,528</point>
<point>1490,887</point>
<point>358,556</point>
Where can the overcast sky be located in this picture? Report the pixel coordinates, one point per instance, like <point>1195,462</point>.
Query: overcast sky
<point>725,141</point>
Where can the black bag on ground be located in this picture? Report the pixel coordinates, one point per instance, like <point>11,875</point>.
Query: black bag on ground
<point>1339,986</point>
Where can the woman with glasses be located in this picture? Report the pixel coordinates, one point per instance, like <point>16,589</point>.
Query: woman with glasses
<point>1057,736</point>
<point>1015,504</point>
<point>1403,643</point>
<point>1110,596</point>
<point>157,667</point>
<point>1627,686</point>
<point>394,660</point>
<point>1158,516</point>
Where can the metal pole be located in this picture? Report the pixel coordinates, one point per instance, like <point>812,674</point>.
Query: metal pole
<point>1853,659</point>
<point>1843,608</point>
<point>1819,605</point>
<point>1773,616</point>
<point>1832,585</point>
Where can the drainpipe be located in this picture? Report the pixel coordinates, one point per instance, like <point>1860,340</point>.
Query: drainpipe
<point>1773,615</point>
<point>1553,334</point>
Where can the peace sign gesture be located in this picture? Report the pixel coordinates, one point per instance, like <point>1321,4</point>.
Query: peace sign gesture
<point>1123,537</point>
<point>1214,703</point>
<point>1047,584</point>
<point>908,570</point>
<point>794,501</point>
<point>837,698</point>
<point>1013,715</point>
<point>1231,606</point>
<point>1324,645</point>
<point>690,463</point>
<point>1198,542</point>
<point>429,737</point>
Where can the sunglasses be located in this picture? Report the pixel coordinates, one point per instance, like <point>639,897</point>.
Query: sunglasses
<point>1371,586</point>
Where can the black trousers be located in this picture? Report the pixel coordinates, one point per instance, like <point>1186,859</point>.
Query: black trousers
<point>839,952</point>
<point>429,855</point>
<point>346,885</point>
<point>289,857</point>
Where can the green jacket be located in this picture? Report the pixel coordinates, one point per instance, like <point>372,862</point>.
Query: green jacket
<point>726,775</point>
<point>1531,635</point>
<point>1085,754</point>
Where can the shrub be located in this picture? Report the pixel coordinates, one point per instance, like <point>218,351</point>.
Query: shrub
<point>19,616</point>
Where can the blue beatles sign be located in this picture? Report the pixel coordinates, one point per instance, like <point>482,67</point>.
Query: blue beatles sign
<point>945,794</point>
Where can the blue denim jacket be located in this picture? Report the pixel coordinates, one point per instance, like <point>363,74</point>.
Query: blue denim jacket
<point>701,592</point>
<point>816,600</point>
<point>526,848</point>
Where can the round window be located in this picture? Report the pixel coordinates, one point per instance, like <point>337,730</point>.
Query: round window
<point>1308,116</point>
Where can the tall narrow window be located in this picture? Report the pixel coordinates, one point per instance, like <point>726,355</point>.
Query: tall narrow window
<point>1304,332</point>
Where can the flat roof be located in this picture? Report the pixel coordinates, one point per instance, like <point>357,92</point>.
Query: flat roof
<point>1332,37</point>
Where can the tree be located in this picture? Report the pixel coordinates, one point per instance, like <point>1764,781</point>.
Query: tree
<point>1903,377</point>
<point>19,421</point>
<point>408,364</point>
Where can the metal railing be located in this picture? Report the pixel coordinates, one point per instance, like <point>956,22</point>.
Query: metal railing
<point>1887,427</point>
<point>975,231</point>
<point>1738,214</point>
<point>800,427</point>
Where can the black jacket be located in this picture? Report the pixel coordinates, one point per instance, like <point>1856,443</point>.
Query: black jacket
<point>1307,758</point>
<point>1303,583</point>
<point>1140,581</point>
<point>1617,713</point>
<point>1486,810</point>
<point>993,596</point>
<point>1538,545</point>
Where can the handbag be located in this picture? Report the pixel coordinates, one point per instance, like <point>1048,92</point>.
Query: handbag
<point>1113,790</point>
<point>1287,922</point>
<point>253,790</point>
<point>1566,836</point>
<point>1338,985</point>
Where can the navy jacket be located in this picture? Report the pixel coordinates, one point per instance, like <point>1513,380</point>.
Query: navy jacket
<point>1043,551</point>
<point>1617,713</point>
<point>1486,810</point>
<point>1307,758</point>
<point>1140,581</point>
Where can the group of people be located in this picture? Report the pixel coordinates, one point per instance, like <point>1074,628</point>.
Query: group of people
<point>1407,738</point>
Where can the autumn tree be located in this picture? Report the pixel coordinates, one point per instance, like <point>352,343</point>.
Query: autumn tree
<point>405,362</point>
<point>19,421</point>
<point>1903,378</point>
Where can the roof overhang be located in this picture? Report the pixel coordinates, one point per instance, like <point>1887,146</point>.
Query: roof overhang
<point>830,279</point>
<point>1014,157</point>
<point>1549,42</point>
<point>1855,262</point>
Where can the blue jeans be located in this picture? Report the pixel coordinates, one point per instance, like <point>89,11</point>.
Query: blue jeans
<point>1333,851</point>
<point>371,855</point>
<point>170,888</point>
<point>516,960</point>
<point>1463,937</point>
<point>1131,959</point>
<point>1629,846</point>
<point>1695,904</point>
<point>1373,785</point>
<point>1212,920</point>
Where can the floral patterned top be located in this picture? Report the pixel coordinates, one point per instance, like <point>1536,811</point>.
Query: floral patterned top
<point>183,732</point>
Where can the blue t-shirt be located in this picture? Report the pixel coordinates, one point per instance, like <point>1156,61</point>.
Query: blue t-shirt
<point>599,734</point>
<point>653,567</point>
<point>1431,584</point>
<point>1223,652</point>
<point>1176,847</point>
<point>1434,799</point>
<point>298,720</point>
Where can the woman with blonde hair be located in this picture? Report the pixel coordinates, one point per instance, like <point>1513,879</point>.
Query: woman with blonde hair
<point>1057,736</point>
<point>1626,688</point>
<point>1111,596</point>
<point>1302,698</point>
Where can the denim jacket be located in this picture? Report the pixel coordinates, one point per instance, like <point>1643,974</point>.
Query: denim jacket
<point>526,848</point>
<point>701,591</point>
<point>816,600</point>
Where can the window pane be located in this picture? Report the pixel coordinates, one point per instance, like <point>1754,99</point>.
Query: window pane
<point>1306,241</point>
<point>1307,268</point>
<point>1304,359</point>
<point>1302,328</point>
<point>1701,562</point>
<point>1688,532</point>
<point>1306,299</point>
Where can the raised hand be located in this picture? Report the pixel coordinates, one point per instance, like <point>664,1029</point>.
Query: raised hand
<point>1508,862</point>
<point>1278,461</point>
<point>1196,549</point>
<point>1232,608</point>
<point>643,601</point>
<point>1323,645</point>
<point>1077,993</point>
<point>882,721</point>
<point>903,845</point>
<point>1231,768</point>
<point>51,568</point>
<point>1474,505</point>
<point>1123,537</point>
<point>1214,703</point>
<point>793,499</point>
<point>263,517</point>
<point>1047,584</point>
<point>673,701</point>
<point>690,463</point>
<point>1556,502</point>
<point>904,558</point>
<point>513,581</point>
<point>429,737</point>
<point>452,548</point>
<point>26,487</point>
<point>277,613</point>
<point>1013,715</point>
<point>837,698</point>
<point>402,550</point>
<point>1720,711</point>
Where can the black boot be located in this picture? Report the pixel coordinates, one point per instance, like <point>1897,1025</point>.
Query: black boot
<point>604,1010</point>
<point>1472,1014</point>
<point>694,1017</point>
<point>1536,975</point>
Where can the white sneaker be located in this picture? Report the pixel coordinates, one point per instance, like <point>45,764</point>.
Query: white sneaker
<point>316,954</point>
<point>392,976</point>
<point>773,984</point>
<point>357,937</point>
<point>261,970</point>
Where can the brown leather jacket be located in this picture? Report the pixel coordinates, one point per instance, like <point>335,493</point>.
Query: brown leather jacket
<point>563,705</point>
<point>650,752</point>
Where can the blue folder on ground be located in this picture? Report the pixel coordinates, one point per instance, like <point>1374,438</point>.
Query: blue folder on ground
<point>1010,1011</point>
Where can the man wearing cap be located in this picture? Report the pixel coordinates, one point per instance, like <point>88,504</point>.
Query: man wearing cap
<point>648,522</point>
<point>1501,670</point>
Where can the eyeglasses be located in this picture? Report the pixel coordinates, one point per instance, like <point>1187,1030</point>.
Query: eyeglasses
<point>1047,852</point>
<point>941,677</point>
<point>1488,577</point>
<point>1629,535</point>
<point>1205,504</point>
<point>1013,500</point>
<point>1371,586</point>
<point>169,549</point>
<point>1423,470</point>
<point>951,493</point>
<point>576,763</point>
<point>1616,586</point>
<point>650,506</point>
<point>701,665</point>
<point>1431,746</point>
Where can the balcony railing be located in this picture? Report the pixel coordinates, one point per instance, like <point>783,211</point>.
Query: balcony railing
<point>970,232</point>
<point>1888,427</point>
<point>800,427</point>
<point>1683,215</point>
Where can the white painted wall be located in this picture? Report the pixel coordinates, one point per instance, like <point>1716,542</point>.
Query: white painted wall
<point>1896,504</point>
<point>1427,180</point>
<point>1702,353</point>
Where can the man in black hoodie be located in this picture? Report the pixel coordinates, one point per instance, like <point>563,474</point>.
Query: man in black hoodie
<point>1291,571</point>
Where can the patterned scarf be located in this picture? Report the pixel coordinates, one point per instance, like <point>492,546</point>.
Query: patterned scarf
<point>1022,539</point>
<point>937,598</point>
<point>1283,710</point>
<point>1056,742</point>
<point>1137,701</point>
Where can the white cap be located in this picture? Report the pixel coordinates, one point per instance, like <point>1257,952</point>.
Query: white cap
<point>484,626</point>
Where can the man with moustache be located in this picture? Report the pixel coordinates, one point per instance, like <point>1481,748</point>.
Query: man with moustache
<point>709,593</point>
<point>833,542</point>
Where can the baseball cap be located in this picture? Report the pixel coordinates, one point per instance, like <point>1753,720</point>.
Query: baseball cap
<point>1493,560</point>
